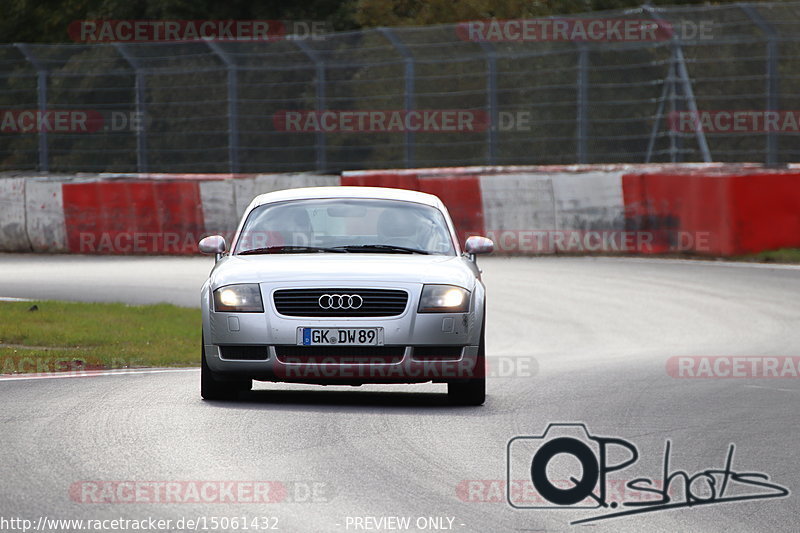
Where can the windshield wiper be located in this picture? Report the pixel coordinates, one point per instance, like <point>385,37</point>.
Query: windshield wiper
<point>290,250</point>
<point>381,248</point>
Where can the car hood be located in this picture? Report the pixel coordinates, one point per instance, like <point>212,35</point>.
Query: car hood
<point>336,268</point>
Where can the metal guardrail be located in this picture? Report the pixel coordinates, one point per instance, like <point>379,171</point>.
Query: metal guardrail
<point>210,106</point>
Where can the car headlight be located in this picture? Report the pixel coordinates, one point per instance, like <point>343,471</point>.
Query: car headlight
<point>245,298</point>
<point>443,299</point>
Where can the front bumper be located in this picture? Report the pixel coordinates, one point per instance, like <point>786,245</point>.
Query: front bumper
<point>407,370</point>
<point>457,333</point>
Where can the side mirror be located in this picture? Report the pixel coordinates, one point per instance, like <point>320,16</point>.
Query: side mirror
<point>479,245</point>
<point>213,244</point>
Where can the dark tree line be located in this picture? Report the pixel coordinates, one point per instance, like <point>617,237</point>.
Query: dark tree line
<point>46,21</point>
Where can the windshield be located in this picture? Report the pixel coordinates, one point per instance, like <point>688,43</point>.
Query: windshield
<point>352,225</point>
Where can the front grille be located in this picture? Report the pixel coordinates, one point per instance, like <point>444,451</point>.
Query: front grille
<point>244,352</point>
<point>437,353</point>
<point>339,355</point>
<point>305,302</point>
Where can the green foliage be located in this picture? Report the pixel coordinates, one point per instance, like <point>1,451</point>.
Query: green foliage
<point>784,255</point>
<point>46,21</point>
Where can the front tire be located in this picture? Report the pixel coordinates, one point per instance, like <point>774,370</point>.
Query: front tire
<point>471,391</point>
<point>212,388</point>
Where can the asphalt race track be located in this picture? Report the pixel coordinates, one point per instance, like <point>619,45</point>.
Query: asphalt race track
<point>569,339</point>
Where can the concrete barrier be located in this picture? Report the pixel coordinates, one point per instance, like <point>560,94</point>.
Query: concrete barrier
<point>44,215</point>
<point>714,213</point>
<point>133,217</point>
<point>547,212</point>
<point>220,213</point>
<point>706,208</point>
<point>526,210</point>
<point>459,191</point>
<point>13,233</point>
<point>713,209</point>
<point>515,208</point>
<point>247,189</point>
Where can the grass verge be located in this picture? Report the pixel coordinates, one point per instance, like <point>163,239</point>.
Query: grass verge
<point>64,336</point>
<point>784,255</point>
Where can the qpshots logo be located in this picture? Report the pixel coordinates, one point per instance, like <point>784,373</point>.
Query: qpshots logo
<point>569,469</point>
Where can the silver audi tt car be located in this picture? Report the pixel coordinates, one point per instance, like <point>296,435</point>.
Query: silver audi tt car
<point>344,286</point>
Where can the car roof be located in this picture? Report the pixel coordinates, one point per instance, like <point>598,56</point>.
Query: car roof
<point>383,193</point>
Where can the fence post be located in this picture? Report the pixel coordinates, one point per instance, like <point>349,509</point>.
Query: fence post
<point>233,106</point>
<point>665,91</point>
<point>686,84</point>
<point>582,113</point>
<point>319,65</point>
<point>673,94</point>
<point>491,100</point>
<point>141,107</point>
<point>773,77</point>
<point>408,96</point>
<point>682,73</point>
<point>41,99</point>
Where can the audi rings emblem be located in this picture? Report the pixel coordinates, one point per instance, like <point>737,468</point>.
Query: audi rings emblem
<point>340,301</point>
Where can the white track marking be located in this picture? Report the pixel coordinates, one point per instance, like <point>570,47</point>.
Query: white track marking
<point>91,373</point>
<point>769,388</point>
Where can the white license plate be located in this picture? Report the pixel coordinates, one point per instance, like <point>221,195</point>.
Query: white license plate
<point>340,336</point>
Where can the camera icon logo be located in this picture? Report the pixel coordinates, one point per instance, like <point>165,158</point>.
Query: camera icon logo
<point>565,467</point>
